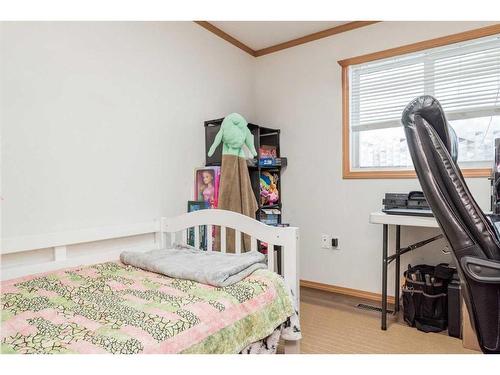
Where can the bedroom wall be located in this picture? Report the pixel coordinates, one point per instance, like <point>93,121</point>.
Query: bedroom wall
<point>299,91</point>
<point>102,122</point>
<point>102,125</point>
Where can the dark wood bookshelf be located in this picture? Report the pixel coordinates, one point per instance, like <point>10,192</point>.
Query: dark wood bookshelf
<point>262,136</point>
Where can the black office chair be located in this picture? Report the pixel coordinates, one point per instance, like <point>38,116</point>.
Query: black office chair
<point>472,236</point>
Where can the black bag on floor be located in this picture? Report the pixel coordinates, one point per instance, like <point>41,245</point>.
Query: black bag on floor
<point>425,302</point>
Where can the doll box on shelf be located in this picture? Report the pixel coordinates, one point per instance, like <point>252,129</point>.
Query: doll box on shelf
<point>206,185</point>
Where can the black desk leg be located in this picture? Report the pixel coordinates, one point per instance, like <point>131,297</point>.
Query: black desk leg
<point>384,277</point>
<point>397,270</point>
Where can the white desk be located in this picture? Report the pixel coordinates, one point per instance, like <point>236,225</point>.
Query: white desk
<point>410,221</point>
<point>398,221</point>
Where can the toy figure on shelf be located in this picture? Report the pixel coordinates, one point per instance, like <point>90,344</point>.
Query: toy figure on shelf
<point>207,188</point>
<point>269,194</point>
<point>207,185</point>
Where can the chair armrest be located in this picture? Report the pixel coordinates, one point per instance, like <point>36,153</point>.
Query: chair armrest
<point>481,270</point>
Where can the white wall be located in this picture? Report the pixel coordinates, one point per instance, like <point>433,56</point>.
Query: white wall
<point>102,125</point>
<point>299,91</point>
<point>102,122</point>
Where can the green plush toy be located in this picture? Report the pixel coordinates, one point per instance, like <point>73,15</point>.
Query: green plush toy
<point>234,134</point>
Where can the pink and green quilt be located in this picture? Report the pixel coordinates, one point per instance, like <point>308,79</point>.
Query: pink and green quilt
<point>113,308</point>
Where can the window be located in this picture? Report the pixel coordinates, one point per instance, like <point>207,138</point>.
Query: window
<point>463,76</point>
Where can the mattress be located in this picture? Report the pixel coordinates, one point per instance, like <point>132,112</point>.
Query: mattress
<point>114,308</point>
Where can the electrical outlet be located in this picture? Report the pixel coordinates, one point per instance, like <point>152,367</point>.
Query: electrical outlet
<point>326,241</point>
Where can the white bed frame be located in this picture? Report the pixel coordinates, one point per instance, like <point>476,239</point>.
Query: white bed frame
<point>164,230</point>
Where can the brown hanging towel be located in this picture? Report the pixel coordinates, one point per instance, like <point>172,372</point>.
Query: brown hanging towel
<point>235,194</point>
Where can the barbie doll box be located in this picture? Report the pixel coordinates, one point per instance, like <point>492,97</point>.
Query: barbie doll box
<point>206,185</point>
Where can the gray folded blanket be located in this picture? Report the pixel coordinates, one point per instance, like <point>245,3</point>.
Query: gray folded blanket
<point>207,267</point>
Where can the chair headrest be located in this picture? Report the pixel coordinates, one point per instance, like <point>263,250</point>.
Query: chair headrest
<point>428,108</point>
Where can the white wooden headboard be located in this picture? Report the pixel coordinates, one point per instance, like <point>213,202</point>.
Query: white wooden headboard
<point>286,237</point>
<point>162,229</point>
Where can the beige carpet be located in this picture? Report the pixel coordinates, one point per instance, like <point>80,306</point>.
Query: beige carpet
<point>332,324</point>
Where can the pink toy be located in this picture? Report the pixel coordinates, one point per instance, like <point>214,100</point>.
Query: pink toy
<point>207,185</point>
<point>269,194</point>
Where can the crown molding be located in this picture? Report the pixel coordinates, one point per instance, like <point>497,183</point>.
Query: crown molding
<point>225,36</point>
<point>314,36</point>
<point>291,43</point>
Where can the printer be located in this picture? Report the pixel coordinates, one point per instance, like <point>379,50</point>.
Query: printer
<point>412,203</point>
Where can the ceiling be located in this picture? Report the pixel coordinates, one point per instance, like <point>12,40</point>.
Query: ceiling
<point>262,34</point>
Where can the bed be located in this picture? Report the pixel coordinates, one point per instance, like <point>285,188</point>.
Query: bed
<point>100,305</point>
